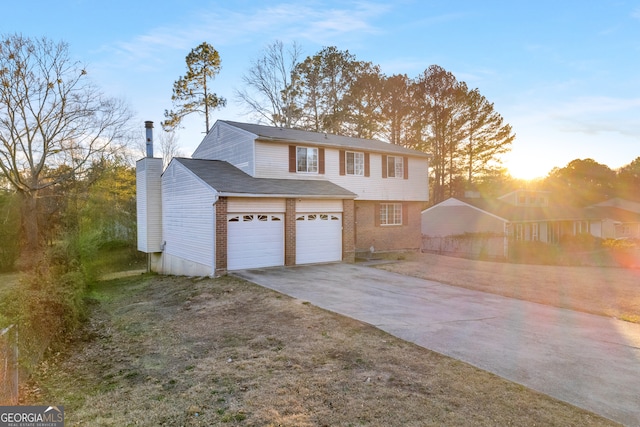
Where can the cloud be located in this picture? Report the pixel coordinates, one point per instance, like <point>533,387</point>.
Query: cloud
<point>313,23</point>
<point>588,116</point>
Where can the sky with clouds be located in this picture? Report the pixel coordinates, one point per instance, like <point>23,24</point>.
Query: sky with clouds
<point>565,74</point>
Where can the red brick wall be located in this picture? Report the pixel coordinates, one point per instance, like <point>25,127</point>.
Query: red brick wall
<point>290,233</point>
<point>348,231</point>
<point>391,237</point>
<point>221,236</point>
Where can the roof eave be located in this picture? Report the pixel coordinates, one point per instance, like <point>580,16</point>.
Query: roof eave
<point>289,196</point>
<point>414,153</point>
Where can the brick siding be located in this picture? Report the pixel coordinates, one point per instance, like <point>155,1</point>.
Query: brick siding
<point>290,232</point>
<point>348,231</point>
<point>221,236</point>
<point>387,238</point>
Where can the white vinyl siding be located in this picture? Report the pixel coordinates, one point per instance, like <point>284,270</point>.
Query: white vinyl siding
<point>188,215</point>
<point>272,161</point>
<point>307,206</point>
<point>374,187</point>
<point>273,158</point>
<point>253,204</point>
<point>230,144</point>
<point>149,204</point>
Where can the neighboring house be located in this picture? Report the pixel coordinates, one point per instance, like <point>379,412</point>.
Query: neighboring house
<point>528,216</point>
<point>257,196</point>
<point>620,218</point>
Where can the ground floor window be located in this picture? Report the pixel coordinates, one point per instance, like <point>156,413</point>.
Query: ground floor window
<point>390,213</point>
<point>580,227</point>
<point>519,233</point>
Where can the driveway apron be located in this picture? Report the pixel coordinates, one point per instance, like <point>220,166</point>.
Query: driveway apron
<point>589,361</point>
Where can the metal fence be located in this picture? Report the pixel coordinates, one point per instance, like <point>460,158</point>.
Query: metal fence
<point>9,366</point>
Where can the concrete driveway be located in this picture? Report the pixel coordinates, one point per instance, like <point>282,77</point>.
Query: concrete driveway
<point>589,361</point>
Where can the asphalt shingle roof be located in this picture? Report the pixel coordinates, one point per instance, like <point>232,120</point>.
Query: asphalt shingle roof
<point>226,178</point>
<point>323,139</point>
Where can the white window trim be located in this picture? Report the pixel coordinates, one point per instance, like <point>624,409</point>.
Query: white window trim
<point>396,215</point>
<point>535,232</point>
<point>315,149</point>
<point>398,163</point>
<point>358,161</point>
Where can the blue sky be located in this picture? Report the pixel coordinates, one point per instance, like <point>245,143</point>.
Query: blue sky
<point>565,74</point>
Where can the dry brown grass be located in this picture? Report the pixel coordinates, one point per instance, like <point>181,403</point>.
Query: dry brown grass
<point>186,352</point>
<point>606,291</point>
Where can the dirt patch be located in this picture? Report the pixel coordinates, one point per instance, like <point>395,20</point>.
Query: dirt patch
<point>606,291</point>
<point>200,352</point>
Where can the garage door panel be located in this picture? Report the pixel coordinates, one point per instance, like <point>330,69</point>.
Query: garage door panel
<point>255,240</point>
<point>318,237</point>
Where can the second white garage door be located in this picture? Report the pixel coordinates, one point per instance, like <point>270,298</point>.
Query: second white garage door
<point>318,237</point>
<point>255,240</point>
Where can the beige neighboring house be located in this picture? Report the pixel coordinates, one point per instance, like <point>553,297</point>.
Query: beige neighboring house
<point>525,215</point>
<point>257,196</point>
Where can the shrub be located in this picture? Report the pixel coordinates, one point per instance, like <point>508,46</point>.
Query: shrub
<point>49,303</point>
<point>625,252</point>
<point>9,230</point>
<point>581,243</point>
<point>534,252</point>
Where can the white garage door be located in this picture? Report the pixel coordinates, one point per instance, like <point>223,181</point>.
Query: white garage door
<point>318,237</point>
<point>255,240</point>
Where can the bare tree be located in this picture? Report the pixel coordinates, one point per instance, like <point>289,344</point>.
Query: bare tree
<point>53,122</point>
<point>270,79</point>
<point>169,147</point>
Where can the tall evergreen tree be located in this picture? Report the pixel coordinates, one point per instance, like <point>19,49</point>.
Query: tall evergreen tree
<point>363,102</point>
<point>486,136</point>
<point>628,181</point>
<point>322,81</point>
<point>439,107</point>
<point>397,111</point>
<point>191,92</point>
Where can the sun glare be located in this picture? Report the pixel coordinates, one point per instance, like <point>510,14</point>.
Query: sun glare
<point>527,168</point>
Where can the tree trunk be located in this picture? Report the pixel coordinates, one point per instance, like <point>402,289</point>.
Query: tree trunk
<point>30,236</point>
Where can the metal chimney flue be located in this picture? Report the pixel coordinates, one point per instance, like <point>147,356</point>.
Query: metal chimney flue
<point>149,127</point>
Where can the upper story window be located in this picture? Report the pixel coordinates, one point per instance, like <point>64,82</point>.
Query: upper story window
<point>395,167</point>
<point>354,163</point>
<point>580,227</point>
<point>531,199</point>
<point>307,159</point>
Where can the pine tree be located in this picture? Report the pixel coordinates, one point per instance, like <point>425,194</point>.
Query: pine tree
<point>191,93</point>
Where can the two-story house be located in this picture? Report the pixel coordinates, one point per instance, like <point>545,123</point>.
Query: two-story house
<point>258,196</point>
